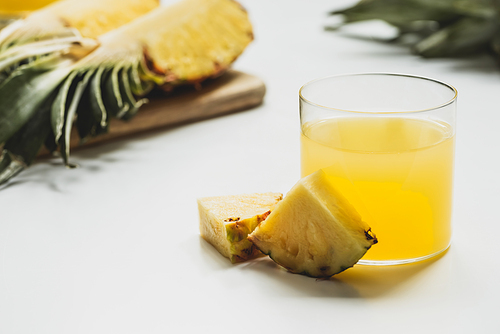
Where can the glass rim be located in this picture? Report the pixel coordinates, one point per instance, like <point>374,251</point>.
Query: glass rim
<point>442,83</point>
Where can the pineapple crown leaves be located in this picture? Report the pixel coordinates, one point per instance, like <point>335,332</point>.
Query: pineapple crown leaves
<point>24,115</point>
<point>25,32</point>
<point>22,48</point>
<point>41,100</point>
<point>9,166</point>
<point>24,91</point>
<point>444,28</point>
<point>29,73</point>
<point>94,95</point>
<point>22,43</point>
<point>48,85</point>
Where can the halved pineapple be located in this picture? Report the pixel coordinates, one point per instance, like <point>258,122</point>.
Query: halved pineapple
<point>314,231</point>
<point>225,222</point>
<point>94,81</point>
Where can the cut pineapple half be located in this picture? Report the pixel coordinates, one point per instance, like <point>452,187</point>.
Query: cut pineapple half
<point>95,82</point>
<point>225,222</point>
<point>314,231</point>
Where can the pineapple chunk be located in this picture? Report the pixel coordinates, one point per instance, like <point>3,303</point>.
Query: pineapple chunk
<point>225,222</point>
<point>314,231</point>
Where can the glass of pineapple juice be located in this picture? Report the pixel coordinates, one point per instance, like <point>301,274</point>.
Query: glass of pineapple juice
<point>387,141</point>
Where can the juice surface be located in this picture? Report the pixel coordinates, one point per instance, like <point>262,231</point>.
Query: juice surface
<point>18,6</point>
<point>397,172</point>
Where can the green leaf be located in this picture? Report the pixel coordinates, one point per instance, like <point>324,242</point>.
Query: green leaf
<point>495,43</point>
<point>21,53</point>
<point>21,149</point>
<point>22,95</point>
<point>477,8</point>
<point>467,36</point>
<point>111,95</point>
<point>86,122</point>
<point>435,28</point>
<point>135,80</point>
<point>128,96</point>
<point>50,143</point>
<point>397,12</point>
<point>142,81</point>
<point>95,98</point>
<point>61,104</point>
<point>9,166</point>
<point>70,115</point>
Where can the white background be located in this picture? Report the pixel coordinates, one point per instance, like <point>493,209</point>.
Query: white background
<point>114,247</point>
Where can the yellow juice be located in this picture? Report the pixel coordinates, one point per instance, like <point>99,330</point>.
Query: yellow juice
<point>18,6</point>
<point>397,172</point>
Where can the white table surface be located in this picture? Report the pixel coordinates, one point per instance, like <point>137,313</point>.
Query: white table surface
<point>114,246</point>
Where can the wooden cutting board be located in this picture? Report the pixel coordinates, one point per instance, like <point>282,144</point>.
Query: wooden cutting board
<point>232,92</point>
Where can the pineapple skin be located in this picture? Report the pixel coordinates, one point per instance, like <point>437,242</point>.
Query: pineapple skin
<point>316,236</point>
<point>241,248</point>
<point>229,235</point>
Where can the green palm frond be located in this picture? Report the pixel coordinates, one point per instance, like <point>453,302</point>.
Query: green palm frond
<point>445,28</point>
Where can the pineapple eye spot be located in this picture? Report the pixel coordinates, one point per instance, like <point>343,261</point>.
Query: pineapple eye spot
<point>370,236</point>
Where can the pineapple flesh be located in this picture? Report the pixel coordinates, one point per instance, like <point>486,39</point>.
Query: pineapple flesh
<point>93,18</point>
<point>187,42</point>
<point>89,18</point>
<point>314,231</point>
<point>225,222</point>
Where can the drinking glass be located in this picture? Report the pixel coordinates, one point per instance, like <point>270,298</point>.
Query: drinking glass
<point>387,141</point>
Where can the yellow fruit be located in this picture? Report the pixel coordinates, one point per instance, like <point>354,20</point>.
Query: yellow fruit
<point>66,21</point>
<point>51,77</point>
<point>314,231</point>
<point>225,222</point>
<point>187,42</point>
<point>93,18</point>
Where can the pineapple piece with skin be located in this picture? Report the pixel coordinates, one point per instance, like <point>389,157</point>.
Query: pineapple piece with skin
<point>225,222</point>
<point>314,231</point>
<point>185,43</point>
